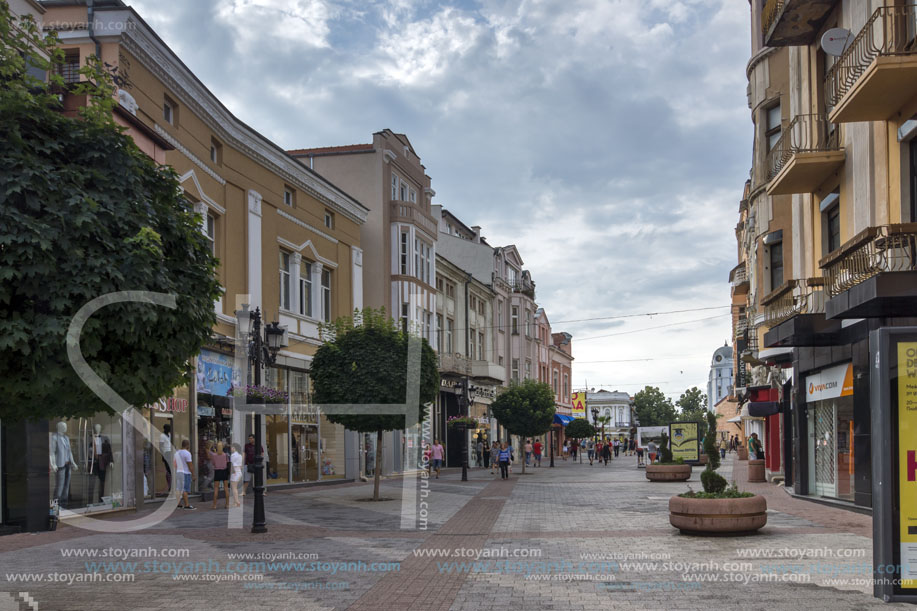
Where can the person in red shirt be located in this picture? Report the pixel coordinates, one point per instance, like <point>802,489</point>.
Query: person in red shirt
<point>536,451</point>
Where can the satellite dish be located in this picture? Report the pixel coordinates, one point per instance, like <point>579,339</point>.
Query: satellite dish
<point>835,41</point>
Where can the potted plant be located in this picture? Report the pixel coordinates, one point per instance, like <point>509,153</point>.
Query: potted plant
<point>718,509</point>
<point>462,422</point>
<point>260,394</point>
<point>666,469</point>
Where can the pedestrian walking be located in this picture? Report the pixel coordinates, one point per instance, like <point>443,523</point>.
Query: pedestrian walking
<point>640,462</point>
<point>437,452</point>
<point>528,452</point>
<point>505,456</point>
<point>574,448</point>
<point>651,451</point>
<point>617,447</point>
<point>722,448</point>
<point>235,478</point>
<point>537,447</point>
<point>566,449</point>
<point>606,453</point>
<point>485,454</point>
<point>494,456</point>
<point>479,452</point>
<point>590,450</point>
<point>183,471</point>
<point>220,462</point>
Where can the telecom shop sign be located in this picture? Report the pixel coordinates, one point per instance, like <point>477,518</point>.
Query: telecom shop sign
<point>907,461</point>
<point>830,383</point>
<point>683,441</point>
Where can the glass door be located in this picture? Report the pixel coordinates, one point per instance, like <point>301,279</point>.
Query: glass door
<point>305,453</point>
<point>825,449</point>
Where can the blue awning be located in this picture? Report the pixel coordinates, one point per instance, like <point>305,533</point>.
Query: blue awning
<point>562,419</point>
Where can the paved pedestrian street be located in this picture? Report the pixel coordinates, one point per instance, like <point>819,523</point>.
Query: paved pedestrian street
<point>575,537</point>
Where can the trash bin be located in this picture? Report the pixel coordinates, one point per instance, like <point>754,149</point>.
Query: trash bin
<point>756,471</point>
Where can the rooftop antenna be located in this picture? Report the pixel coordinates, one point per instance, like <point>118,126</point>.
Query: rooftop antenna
<point>835,41</point>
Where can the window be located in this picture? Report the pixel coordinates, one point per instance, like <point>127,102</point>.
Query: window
<point>556,382</point>
<point>528,369</point>
<point>515,368</point>
<point>329,219</point>
<point>70,68</point>
<point>439,284</point>
<point>500,315</point>
<point>511,275</point>
<point>472,300</point>
<point>439,332</point>
<point>449,329</point>
<point>481,307</point>
<point>481,354</point>
<point>169,111</point>
<point>528,323</point>
<point>326,295</point>
<point>216,151</point>
<point>211,233</point>
<point>428,326</point>
<point>566,385</point>
<point>394,187</point>
<point>305,289</point>
<point>289,197</point>
<point>470,350</point>
<point>450,289</point>
<point>403,191</point>
<point>403,254</point>
<point>514,317</point>
<point>412,195</point>
<point>773,126</point>
<point>284,280</point>
<point>500,361</point>
<point>776,261</point>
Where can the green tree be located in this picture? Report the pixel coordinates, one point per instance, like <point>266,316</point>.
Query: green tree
<point>364,361</point>
<point>84,213</point>
<point>653,408</point>
<point>692,406</point>
<point>579,429</point>
<point>525,409</point>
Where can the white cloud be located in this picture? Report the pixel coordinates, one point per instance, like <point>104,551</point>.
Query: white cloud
<point>273,23</point>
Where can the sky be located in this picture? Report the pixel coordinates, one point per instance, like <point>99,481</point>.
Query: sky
<point>609,140</point>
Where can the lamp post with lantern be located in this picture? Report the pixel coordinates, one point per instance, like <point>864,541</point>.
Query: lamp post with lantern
<point>261,351</point>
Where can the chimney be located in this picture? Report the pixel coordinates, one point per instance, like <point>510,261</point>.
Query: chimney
<point>477,233</point>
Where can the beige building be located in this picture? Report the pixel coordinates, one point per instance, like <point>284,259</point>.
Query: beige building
<point>288,241</point>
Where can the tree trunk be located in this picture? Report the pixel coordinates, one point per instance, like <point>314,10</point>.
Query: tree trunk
<point>378,474</point>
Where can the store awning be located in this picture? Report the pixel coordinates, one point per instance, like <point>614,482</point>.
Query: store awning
<point>746,414</point>
<point>763,409</point>
<point>562,419</point>
<point>736,419</point>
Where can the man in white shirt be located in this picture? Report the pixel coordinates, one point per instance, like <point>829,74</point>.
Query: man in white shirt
<point>165,449</point>
<point>183,471</point>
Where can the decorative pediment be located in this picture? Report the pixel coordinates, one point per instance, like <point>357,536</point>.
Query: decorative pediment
<point>192,186</point>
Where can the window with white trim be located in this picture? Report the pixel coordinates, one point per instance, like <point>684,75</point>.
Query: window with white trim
<point>403,191</point>
<point>439,332</point>
<point>566,385</point>
<point>289,197</point>
<point>500,315</point>
<point>412,195</point>
<point>326,295</point>
<point>210,232</point>
<point>470,350</point>
<point>556,382</point>
<point>404,254</point>
<point>514,318</point>
<point>329,219</point>
<point>450,328</point>
<point>515,370</point>
<point>404,317</point>
<point>511,274</point>
<point>481,354</point>
<point>305,288</point>
<point>394,186</point>
<point>285,280</point>
<point>528,369</point>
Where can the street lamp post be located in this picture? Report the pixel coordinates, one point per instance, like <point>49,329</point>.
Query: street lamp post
<point>261,350</point>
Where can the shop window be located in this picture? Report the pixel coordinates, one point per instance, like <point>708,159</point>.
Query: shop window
<point>86,463</point>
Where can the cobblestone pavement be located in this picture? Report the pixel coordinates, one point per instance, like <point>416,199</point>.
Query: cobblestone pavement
<point>575,537</point>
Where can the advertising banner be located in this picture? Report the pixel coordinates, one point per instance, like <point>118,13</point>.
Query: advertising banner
<point>830,383</point>
<point>214,373</point>
<point>579,405</point>
<point>684,441</point>
<point>907,461</point>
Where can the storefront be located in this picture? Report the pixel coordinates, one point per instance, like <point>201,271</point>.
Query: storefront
<point>169,422</point>
<point>830,425</point>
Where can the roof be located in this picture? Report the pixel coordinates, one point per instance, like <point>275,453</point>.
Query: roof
<point>332,150</point>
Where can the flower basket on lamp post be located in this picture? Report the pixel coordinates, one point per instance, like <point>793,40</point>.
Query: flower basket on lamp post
<point>462,423</point>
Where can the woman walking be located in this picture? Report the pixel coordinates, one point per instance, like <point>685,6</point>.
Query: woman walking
<point>606,453</point>
<point>505,457</point>
<point>235,460</point>
<point>219,460</point>
<point>494,456</point>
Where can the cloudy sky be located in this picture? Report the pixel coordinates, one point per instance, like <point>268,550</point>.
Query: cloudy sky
<point>608,139</point>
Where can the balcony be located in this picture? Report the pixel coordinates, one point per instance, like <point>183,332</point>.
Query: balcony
<point>797,316</point>
<point>877,74</point>
<point>738,277</point>
<point>793,22</point>
<point>793,298</point>
<point>527,289</point>
<point>406,212</point>
<point>804,157</point>
<point>455,364</point>
<point>485,370</point>
<point>874,274</point>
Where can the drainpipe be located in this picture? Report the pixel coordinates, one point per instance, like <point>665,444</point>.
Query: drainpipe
<point>90,18</point>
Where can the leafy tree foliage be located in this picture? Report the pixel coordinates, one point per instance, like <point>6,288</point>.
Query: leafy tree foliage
<point>525,409</point>
<point>364,361</point>
<point>579,429</point>
<point>692,406</point>
<point>665,453</point>
<point>653,408</point>
<point>84,213</point>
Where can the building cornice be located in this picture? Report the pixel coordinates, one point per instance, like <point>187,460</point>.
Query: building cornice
<point>142,43</point>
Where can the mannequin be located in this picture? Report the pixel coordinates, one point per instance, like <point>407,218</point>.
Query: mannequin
<point>99,457</point>
<point>62,463</point>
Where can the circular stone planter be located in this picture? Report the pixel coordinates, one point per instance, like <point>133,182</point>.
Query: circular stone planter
<point>717,516</point>
<point>668,473</point>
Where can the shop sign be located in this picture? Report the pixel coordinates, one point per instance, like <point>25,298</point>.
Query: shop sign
<point>485,392</point>
<point>172,405</point>
<point>214,373</point>
<point>579,405</point>
<point>305,414</point>
<point>907,461</point>
<point>206,410</point>
<point>830,383</point>
<point>684,441</point>
<point>227,412</point>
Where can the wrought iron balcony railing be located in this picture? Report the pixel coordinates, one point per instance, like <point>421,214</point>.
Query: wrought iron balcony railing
<point>887,248</point>
<point>890,31</point>
<point>770,13</point>
<point>804,134</point>
<point>794,297</point>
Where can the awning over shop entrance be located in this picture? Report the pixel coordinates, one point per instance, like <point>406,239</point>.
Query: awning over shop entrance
<point>562,419</point>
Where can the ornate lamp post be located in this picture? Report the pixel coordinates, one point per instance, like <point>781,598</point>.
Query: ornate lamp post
<point>261,351</point>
